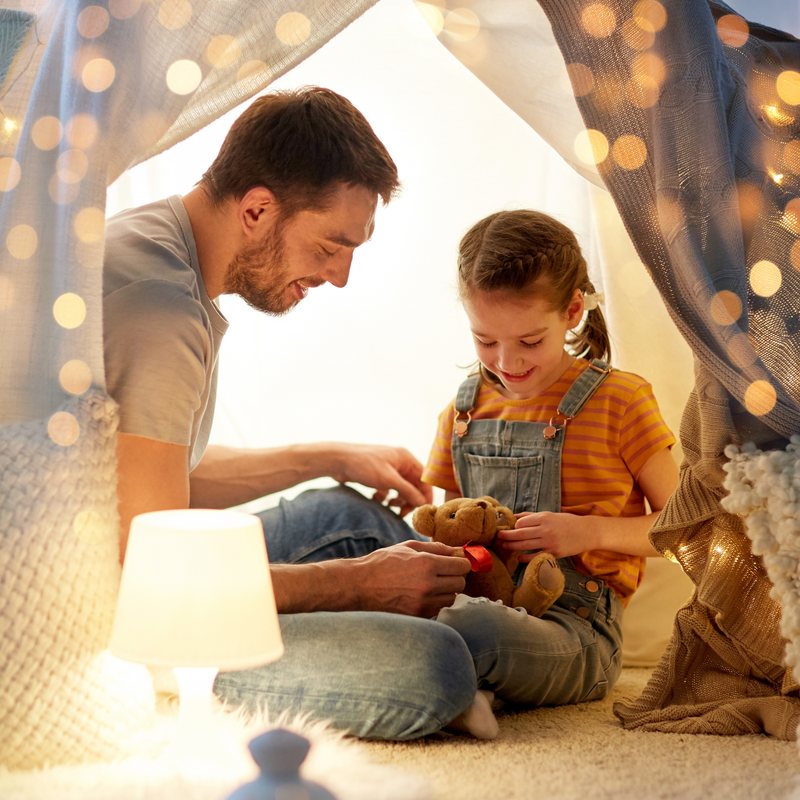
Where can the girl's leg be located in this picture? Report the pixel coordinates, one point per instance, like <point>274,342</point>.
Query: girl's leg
<point>570,655</point>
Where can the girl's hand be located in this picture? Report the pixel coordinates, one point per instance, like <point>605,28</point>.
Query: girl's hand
<point>559,534</point>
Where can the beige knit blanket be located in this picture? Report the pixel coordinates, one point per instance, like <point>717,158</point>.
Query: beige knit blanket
<point>724,670</point>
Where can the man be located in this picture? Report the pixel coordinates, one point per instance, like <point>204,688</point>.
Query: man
<point>291,195</point>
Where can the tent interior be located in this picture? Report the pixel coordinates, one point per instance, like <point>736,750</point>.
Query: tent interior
<point>377,361</point>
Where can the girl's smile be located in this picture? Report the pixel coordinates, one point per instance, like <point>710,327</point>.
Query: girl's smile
<point>521,339</point>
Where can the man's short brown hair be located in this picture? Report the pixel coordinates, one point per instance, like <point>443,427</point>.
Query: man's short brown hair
<point>300,144</point>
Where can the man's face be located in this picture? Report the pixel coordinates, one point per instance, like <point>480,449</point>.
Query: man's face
<point>297,254</point>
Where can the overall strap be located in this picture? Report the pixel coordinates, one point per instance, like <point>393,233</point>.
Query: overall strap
<point>584,386</point>
<point>577,396</point>
<point>466,400</point>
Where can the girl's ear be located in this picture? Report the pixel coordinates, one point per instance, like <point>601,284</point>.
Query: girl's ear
<point>575,310</point>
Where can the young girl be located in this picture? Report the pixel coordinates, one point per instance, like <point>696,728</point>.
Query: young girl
<point>573,447</point>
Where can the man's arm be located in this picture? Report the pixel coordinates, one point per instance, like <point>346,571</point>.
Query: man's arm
<point>416,578</point>
<point>228,476</point>
<point>151,476</point>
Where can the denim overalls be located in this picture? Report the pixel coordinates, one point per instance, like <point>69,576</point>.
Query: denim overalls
<point>519,464</point>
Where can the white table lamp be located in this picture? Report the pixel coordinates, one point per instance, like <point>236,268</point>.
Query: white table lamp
<point>196,595</point>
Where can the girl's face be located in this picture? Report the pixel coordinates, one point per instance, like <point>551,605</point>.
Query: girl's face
<point>522,340</point>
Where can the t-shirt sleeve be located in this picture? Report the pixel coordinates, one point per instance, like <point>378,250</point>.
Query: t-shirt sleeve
<point>156,346</point>
<point>439,470</point>
<point>643,431</point>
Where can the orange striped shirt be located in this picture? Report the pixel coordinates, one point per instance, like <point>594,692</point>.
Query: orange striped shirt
<point>605,448</point>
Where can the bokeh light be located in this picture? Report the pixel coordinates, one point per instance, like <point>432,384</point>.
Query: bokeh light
<point>72,165</point>
<point>90,527</point>
<point>223,51</point>
<point>432,15</point>
<point>75,377</point>
<point>62,193</point>
<point>630,152</point>
<point>253,70</point>
<point>725,307</point>
<point>89,254</point>
<point>22,241</point>
<point>81,131</point>
<point>98,75</point>
<point>463,24</point>
<point>760,398</point>
<point>609,95</point>
<point>741,352</point>
<point>92,22</point>
<point>649,65</point>
<point>581,78</point>
<point>636,36</point>
<point>174,14</point>
<point>791,215</point>
<point>794,255</point>
<point>123,9</point>
<point>591,146</point>
<point>642,91</point>
<point>6,293</point>
<point>733,30</point>
<point>150,127</point>
<point>46,132</point>
<point>765,278</point>
<point>598,20</point>
<point>788,86</point>
<point>650,15</point>
<point>751,201</point>
<point>293,28</point>
<point>69,311</point>
<point>791,156</point>
<point>90,224</point>
<point>10,173</point>
<point>63,428</point>
<point>183,76</point>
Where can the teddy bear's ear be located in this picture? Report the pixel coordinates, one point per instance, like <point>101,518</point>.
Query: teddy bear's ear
<point>423,520</point>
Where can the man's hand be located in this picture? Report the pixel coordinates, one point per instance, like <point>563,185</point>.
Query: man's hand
<point>414,578</point>
<point>560,534</point>
<point>385,469</point>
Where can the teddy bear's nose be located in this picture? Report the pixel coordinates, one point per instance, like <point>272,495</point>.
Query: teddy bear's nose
<point>481,504</point>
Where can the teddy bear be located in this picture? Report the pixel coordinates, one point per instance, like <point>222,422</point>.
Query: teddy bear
<point>471,525</point>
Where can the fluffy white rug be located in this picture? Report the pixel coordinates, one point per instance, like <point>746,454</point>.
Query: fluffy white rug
<point>582,753</point>
<point>342,765</point>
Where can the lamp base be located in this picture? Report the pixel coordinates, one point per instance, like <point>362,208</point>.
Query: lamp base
<point>196,747</point>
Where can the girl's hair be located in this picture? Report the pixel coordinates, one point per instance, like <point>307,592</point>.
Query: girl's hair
<point>528,253</point>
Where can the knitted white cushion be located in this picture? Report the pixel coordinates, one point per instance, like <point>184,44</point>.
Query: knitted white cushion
<point>63,698</point>
<point>765,488</point>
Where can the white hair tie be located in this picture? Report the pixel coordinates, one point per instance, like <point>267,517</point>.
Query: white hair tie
<point>591,301</point>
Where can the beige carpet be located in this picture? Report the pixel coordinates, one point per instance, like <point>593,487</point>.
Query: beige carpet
<point>582,753</point>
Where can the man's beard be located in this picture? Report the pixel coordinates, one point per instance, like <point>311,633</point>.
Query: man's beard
<point>259,274</point>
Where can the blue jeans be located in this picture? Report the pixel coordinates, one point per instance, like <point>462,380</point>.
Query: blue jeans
<point>389,676</point>
<point>375,675</point>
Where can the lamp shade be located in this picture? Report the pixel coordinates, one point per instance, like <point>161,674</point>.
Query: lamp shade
<point>196,592</point>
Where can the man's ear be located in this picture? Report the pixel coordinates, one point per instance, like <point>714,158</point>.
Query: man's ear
<point>257,212</point>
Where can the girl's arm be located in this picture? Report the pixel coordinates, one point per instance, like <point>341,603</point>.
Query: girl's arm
<point>571,534</point>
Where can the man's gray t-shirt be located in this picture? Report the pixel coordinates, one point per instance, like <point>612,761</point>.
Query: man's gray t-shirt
<point>161,330</point>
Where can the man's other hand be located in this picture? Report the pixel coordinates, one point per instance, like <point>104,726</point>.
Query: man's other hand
<point>385,469</point>
<point>414,578</point>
